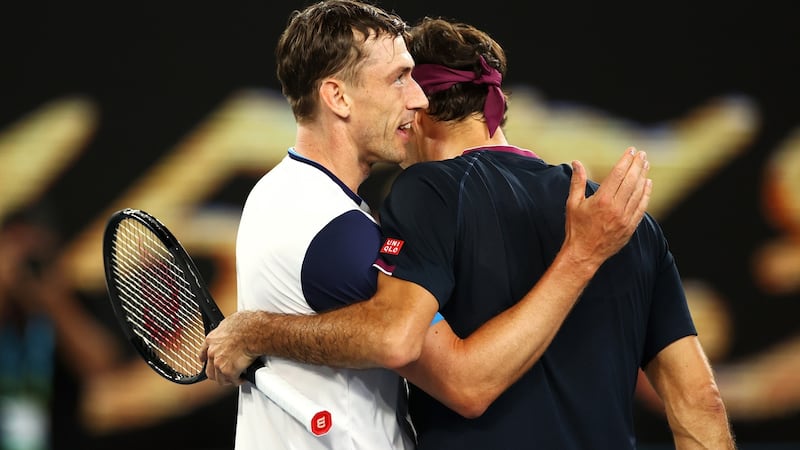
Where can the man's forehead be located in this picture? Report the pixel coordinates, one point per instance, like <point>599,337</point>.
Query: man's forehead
<point>385,49</point>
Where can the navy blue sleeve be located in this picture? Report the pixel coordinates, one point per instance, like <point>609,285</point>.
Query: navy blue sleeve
<point>417,213</point>
<point>669,318</point>
<point>337,268</point>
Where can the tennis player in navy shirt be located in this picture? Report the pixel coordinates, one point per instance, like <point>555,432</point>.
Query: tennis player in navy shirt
<point>488,221</point>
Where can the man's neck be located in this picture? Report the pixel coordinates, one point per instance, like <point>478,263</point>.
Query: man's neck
<point>470,133</point>
<point>336,154</point>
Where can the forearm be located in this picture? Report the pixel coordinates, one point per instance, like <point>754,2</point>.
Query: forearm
<point>682,377</point>
<point>700,423</point>
<point>379,332</point>
<point>468,375</point>
<point>385,331</point>
<point>333,338</point>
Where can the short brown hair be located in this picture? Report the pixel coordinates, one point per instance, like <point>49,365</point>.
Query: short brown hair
<point>325,39</point>
<point>457,46</point>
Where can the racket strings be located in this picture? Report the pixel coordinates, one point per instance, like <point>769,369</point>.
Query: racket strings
<point>157,298</point>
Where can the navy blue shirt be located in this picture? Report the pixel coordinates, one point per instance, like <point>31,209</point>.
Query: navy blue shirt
<point>478,231</point>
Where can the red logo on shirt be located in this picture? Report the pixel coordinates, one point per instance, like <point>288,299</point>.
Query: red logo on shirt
<point>392,246</point>
<point>321,423</point>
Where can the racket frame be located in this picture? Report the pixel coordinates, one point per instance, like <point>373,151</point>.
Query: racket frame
<point>210,313</point>
<point>315,419</point>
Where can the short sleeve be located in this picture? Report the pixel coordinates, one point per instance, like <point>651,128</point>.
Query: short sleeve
<point>337,268</point>
<point>670,318</point>
<point>420,215</point>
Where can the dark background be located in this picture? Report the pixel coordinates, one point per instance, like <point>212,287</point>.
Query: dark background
<point>156,69</point>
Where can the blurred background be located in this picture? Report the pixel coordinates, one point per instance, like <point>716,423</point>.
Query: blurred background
<point>174,108</point>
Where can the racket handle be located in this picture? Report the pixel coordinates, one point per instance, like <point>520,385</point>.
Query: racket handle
<point>317,420</point>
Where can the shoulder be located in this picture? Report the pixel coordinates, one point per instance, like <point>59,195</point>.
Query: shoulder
<point>426,176</point>
<point>434,168</point>
<point>650,230</point>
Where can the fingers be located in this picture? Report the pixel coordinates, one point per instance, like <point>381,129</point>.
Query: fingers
<point>632,177</point>
<point>224,361</point>
<point>635,189</point>
<point>206,355</point>
<point>217,374</point>
<point>644,201</point>
<point>203,356</point>
<point>629,185</point>
<point>577,189</point>
<point>617,177</point>
<point>598,226</point>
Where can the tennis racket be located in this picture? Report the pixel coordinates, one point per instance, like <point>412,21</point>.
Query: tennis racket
<point>165,310</point>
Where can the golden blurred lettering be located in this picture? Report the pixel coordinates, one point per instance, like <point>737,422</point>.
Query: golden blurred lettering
<point>683,152</point>
<point>250,132</point>
<point>39,146</point>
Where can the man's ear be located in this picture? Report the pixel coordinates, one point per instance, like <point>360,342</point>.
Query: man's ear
<point>333,96</point>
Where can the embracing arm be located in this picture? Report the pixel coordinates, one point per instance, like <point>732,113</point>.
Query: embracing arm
<point>682,377</point>
<point>468,374</point>
<point>389,329</point>
<point>385,331</point>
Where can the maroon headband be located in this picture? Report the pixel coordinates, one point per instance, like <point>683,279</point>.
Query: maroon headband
<point>433,78</point>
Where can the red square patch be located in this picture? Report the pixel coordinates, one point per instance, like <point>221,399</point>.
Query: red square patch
<point>392,246</point>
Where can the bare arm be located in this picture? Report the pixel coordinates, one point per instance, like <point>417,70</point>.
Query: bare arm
<point>468,374</point>
<point>389,330</point>
<point>682,377</point>
<point>385,331</point>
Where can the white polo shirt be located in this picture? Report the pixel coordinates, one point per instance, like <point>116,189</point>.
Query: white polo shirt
<point>306,243</point>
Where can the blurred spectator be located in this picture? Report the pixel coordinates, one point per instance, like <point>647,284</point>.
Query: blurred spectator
<point>44,331</point>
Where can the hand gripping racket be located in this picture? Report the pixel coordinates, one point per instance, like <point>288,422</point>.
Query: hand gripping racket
<point>165,310</point>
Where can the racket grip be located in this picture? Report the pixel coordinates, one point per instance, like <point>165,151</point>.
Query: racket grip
<point>314,418</point>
